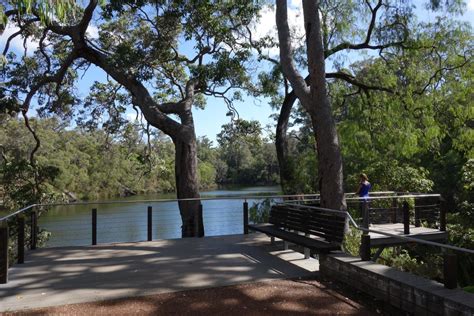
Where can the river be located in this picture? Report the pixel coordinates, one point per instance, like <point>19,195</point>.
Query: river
<point>70,225</point>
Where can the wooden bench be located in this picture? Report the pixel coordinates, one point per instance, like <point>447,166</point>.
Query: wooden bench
<point>323,229</point>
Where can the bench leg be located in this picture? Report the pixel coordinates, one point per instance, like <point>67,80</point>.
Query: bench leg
<point>306,253</point>
<point>285,243</point>
<point>272,240</point>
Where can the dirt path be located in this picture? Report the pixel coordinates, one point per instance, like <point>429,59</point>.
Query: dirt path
<point>278,297</point>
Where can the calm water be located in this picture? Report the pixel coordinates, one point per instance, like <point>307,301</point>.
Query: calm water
<point>71,225</point>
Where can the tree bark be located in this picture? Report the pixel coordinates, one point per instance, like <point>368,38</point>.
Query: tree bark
<point>287,170</point>
<point>187,187</point>
<point>319,108</point>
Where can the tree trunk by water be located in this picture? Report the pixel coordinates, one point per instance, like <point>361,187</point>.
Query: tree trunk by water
<point>187,187</point>
<point>314,99</point>
<point>182,134</point>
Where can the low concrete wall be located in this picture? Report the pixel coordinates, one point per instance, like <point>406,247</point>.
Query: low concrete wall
<point>402,290</point>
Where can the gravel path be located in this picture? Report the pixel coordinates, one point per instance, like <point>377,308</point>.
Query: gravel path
<point>278,297</point>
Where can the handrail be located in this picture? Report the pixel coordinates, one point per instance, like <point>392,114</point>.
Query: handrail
<point>228,197</point>
<point>368,198</point>
<point>231,197</point>
<point>421,241</point>
<point>18,212</point>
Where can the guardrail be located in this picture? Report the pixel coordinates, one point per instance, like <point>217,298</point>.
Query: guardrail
<point>26,220</point>
<point>449,251</point>
<point>32,214</point>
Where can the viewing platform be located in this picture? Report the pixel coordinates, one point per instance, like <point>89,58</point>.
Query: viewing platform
<point>279,277</point>
<point>423,233</point>
<point>58,276</point>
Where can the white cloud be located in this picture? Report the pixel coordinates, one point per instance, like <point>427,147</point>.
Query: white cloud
<point>132,117</point>
<point>266,25</point>
<point>470,5</point>
<point>92,31</point>
<point>17,43</point>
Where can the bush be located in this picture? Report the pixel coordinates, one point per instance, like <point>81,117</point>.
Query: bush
<point>260,211</point>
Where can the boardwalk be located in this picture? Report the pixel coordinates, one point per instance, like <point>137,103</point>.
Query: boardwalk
<point>397,229</point>
<point>58,276</point>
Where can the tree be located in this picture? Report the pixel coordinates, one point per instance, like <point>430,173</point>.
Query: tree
<point>315,99</point>
<point>249,159</point>
<point>329,25</point>
<point>138,47</point>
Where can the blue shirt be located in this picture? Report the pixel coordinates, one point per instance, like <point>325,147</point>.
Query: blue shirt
<point>364,190</point>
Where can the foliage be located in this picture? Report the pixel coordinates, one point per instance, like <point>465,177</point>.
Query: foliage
<point>462,235</point>
<point>421,261</point>
<point>250,159</point>
<point>469,289</point>
<point>259,212</point>
<point>351,243</point>
<point>83,164</point>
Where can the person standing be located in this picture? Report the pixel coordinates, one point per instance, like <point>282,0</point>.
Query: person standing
<point>364,186</point>
<point>363,192</point>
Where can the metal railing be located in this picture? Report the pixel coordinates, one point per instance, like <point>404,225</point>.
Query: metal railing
<point>148,222</point>
<point>32,213</point>
<point>449,251</point>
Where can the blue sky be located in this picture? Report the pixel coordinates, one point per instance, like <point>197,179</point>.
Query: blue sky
<point>208,122</point>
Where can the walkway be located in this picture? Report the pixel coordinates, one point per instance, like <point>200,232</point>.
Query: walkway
<point>59,276</point>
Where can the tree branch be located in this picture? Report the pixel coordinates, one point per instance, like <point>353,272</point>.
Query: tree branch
<point>366,44</point>
<point>35,136</point>
<point>352,80</point>
<point>21,30</point>
<point>140,95</point>
<point>286,51</point>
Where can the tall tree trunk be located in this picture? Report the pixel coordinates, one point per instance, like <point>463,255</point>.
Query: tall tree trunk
<point>183,135</point>
<point>187,187</point>
<point>314,99</point>
<point>319,108</point>
<point>287,170</point>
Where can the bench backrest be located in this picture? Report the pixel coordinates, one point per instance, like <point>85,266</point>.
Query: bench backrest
<point>310,220</point>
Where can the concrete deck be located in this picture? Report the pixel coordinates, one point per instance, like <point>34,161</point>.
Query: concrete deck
<point>58,276</point>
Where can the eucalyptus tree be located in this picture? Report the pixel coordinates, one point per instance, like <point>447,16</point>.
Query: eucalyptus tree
<point>332,28</point>
<point>161,57</point>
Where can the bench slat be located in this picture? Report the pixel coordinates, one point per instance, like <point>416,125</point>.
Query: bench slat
<point>311,243</point>
<point>314,217</point>
<point>309,214</point>
<point>325,228</point>
<point>308,221</point>
<point>314,229</point>
<point>312,211</point>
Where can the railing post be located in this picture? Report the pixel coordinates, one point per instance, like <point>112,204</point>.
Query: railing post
<point>394,210</point>
<point>21,238</point>
<point>417,215</point>
<point>200,223</point>
<point>365,215</point>
<point>3,252</point>
<point>365,247</point>
<point>34,230</point>
<point>246,218</point>
<point>450,271</point>
<point>150,221</point>
<point>442,214</point>
<point>94,226</point>
<point>406,218</point>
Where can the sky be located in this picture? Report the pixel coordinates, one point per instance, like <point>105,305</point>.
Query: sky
<point>208,122</point>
